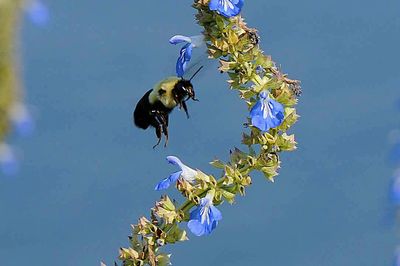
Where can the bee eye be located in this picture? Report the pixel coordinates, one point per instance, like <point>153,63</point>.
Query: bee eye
<point>161,92</point>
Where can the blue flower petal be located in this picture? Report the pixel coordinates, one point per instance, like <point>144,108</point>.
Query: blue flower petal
<point>280,116</point>
<point>180,65</point>
<point>180,68</point>
<point>271,123</point>
<point>184,57</point>
<point>238,3</point>
<point>174,160</point>
<point>204,218</point>
<point>197,228</point>
<point>266,113</point>
<point>215,213</point>
<point>179,39</point>
<point>213,5</point>
<point>188,51</point>
<point>276,106</point>
<point>256,110</point>
<point>165,183</point>
<point>196,214</point>
<point>258,122</point>
<point>185,53</point>
<point>227,8</point>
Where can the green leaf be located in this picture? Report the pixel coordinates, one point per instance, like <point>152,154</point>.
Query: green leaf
<point>218,164</point>
<point>286,143</point>
<point>163,259</point>
<point>176,234</point>
<point>291,117</point>
<point>165,209</point>
<point>230,197</point>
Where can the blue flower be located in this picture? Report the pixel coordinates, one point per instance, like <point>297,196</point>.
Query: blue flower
<point>394,193</point>
<point>396,260</point>
<point>8,161</point>
<point>227,8</point>
<point>186,173</point>
<point>38,12</point>
<point>205,217</point>
<point>186,52</point>
<point>266,113</point>
<point>394,155</point>
<point>22,120</point>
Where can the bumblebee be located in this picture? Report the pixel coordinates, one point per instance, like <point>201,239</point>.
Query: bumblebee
<point>154,107</point>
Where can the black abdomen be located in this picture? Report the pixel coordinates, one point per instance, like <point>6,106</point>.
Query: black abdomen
<point>141,115</point>
<point>144,116</point>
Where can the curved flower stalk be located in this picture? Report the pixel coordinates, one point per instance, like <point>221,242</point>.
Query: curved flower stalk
<point>270,98</point>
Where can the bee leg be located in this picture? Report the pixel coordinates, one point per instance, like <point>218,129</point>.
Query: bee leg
<point>163,120</point>
<point>162,126</point>
<point>185,108</point>
<point>166,136</point>
<point>165,130</point>
<point>158,133</point>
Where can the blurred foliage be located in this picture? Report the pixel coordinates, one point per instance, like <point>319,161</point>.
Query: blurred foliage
<point>9,84</point>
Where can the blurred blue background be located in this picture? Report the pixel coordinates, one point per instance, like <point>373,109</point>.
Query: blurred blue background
<point>88,173</point>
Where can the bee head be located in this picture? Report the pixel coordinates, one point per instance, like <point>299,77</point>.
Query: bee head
<point>184,91</point>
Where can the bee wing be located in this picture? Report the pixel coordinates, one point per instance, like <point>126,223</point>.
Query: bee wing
<point>199,58</point>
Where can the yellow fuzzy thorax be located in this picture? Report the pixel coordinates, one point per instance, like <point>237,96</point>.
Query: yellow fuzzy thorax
<point>165,98</point>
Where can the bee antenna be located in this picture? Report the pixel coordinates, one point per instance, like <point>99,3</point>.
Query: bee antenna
<point>198,70</point>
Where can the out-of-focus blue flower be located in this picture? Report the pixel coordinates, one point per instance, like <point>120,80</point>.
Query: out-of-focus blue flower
<point>396,261</point>
<point>8,161</point>
<point>205,217</point>
<point>227,8</point>
<point>186,173</point>
<point>394,192</point>
<point>394,154</point>
<point>185,53</point>
<point>22,120</point>
<point>38,12</point>
<point>266,113</point>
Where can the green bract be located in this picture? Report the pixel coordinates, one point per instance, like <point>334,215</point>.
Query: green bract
<point>250,72</point>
